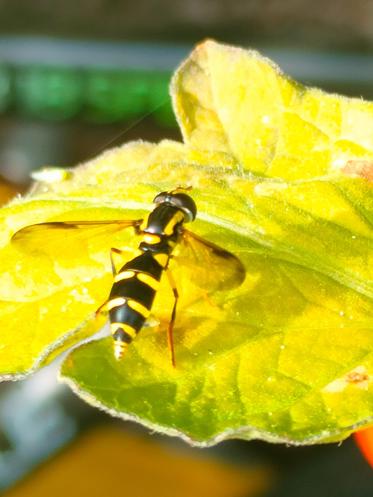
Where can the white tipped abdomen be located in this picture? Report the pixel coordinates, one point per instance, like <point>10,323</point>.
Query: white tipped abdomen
<point>119,349</point>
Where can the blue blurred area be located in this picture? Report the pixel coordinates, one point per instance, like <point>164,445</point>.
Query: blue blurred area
<point>63,101</point>
<point>107,82</point>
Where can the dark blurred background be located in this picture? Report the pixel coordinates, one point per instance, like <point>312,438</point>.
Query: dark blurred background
<point>77,77</point>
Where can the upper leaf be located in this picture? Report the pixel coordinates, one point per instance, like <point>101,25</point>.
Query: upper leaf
<point>237,102</point>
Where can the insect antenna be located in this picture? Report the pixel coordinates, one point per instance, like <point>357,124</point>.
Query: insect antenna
<point>132,125</point>
<point>182,189</point>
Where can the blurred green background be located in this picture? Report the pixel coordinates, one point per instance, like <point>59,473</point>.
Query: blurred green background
<point>79,77</point>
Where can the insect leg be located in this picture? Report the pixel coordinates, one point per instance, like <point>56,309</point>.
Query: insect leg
<point>170,329</point>
<point>101,309</point>
<point>117,251</point>
<point>113,250</point>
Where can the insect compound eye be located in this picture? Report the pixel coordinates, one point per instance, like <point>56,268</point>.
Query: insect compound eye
<point>186,204</point>
<point>161,198</point>
<point>180,200</point>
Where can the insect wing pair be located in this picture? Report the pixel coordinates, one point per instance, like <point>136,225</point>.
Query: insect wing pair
<point>212,267</point>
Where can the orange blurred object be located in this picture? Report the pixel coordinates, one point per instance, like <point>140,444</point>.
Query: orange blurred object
<point>364,440</point>
<point>108,461</point>
<point>7,191</point>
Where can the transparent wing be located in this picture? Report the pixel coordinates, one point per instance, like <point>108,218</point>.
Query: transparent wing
<point>211,267</point>
<point>62,238</point>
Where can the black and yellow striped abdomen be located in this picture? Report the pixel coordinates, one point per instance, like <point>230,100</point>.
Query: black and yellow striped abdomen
<point>136,284</point>
<point>131,298</point>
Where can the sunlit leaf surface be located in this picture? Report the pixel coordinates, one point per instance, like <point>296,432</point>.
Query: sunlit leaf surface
<point>281,175</point>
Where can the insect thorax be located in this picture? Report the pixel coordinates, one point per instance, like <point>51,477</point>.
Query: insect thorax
<point>162,230</point>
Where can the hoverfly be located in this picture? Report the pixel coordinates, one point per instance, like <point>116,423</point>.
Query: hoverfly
<point>136,282</point>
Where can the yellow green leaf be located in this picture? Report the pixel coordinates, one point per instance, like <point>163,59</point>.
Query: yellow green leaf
<point>237,102</point>
<point>281,177</point>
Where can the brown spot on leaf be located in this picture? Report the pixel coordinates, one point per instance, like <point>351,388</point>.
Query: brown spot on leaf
<point>359,168</point>
<point>356,377</point>
<point>359,377</point>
